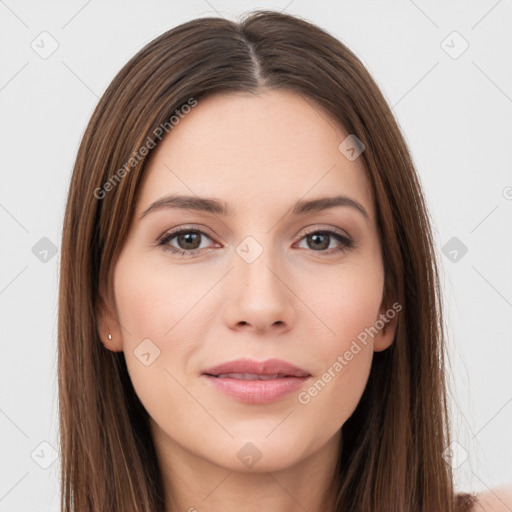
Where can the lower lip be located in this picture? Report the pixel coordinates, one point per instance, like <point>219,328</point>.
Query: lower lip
<point>257,391</point>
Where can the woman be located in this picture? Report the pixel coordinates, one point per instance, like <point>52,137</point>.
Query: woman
<point>249,310</point>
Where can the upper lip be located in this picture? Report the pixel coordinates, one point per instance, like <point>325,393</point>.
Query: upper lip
<point>268,367</point>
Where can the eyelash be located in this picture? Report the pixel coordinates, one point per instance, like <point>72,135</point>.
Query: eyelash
<point>163,241</point>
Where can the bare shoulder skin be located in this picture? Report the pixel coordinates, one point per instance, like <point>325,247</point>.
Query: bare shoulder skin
<point>496,500</point>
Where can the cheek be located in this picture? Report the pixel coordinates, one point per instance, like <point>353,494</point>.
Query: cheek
<point>335,391</point>
<point>347,302</point>
<point>342,367</point>
<point>153,302</point>
<point>162,326</point>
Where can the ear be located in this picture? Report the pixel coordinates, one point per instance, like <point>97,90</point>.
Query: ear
<point>107,323</point>
<point>387,323</point>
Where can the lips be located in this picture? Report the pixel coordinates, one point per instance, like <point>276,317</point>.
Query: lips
<point>247,369</point>
<point>250,376</point>
<point>254,382</point>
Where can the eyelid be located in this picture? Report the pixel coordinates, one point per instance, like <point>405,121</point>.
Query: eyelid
<point>186,227</point>
<point>316,227</point>
<point>313,228</point>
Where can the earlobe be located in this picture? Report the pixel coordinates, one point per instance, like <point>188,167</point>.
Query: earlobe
<point>108,327</point>
<point>387,324</point>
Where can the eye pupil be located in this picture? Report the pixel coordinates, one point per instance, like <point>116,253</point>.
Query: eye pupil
<point>185,240</point>
<point>318,242</point>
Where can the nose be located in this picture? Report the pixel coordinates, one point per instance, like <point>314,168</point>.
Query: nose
<point>259,296</point>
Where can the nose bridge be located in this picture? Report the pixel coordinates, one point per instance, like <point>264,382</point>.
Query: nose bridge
<point>260,297</point>
<point>253,266</point>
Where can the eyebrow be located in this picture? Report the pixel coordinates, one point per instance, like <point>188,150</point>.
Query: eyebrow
<point>217,207</point>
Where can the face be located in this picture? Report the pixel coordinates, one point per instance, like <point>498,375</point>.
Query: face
<point>196,286</point>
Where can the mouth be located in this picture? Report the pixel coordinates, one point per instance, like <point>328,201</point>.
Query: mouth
<point>249,376</point>
<point>255,382</point>
<point>248,369</point>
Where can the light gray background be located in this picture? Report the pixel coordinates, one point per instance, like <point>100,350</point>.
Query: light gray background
<point>455,114</point>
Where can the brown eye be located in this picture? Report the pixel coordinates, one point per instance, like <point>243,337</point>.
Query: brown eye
<point>320,240</point>
<point>187,241</point>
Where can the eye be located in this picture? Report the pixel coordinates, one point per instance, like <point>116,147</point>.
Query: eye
<point>320,241</point>
<point>188,241</point>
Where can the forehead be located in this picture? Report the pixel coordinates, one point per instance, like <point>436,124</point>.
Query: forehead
<point>274,147</point>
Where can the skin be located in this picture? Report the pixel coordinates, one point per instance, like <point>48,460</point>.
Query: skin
<point>260,154</point>
<point>495,500</point>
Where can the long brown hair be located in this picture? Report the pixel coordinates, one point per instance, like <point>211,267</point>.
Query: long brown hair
<point>393,442</point>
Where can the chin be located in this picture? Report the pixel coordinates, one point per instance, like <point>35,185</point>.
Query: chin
<point>261,452</point>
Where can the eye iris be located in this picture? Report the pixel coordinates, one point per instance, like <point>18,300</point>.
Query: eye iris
<point>318,242</point>
<point>185,240</point>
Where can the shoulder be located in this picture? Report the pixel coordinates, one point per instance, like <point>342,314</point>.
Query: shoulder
<point>494,500</point>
